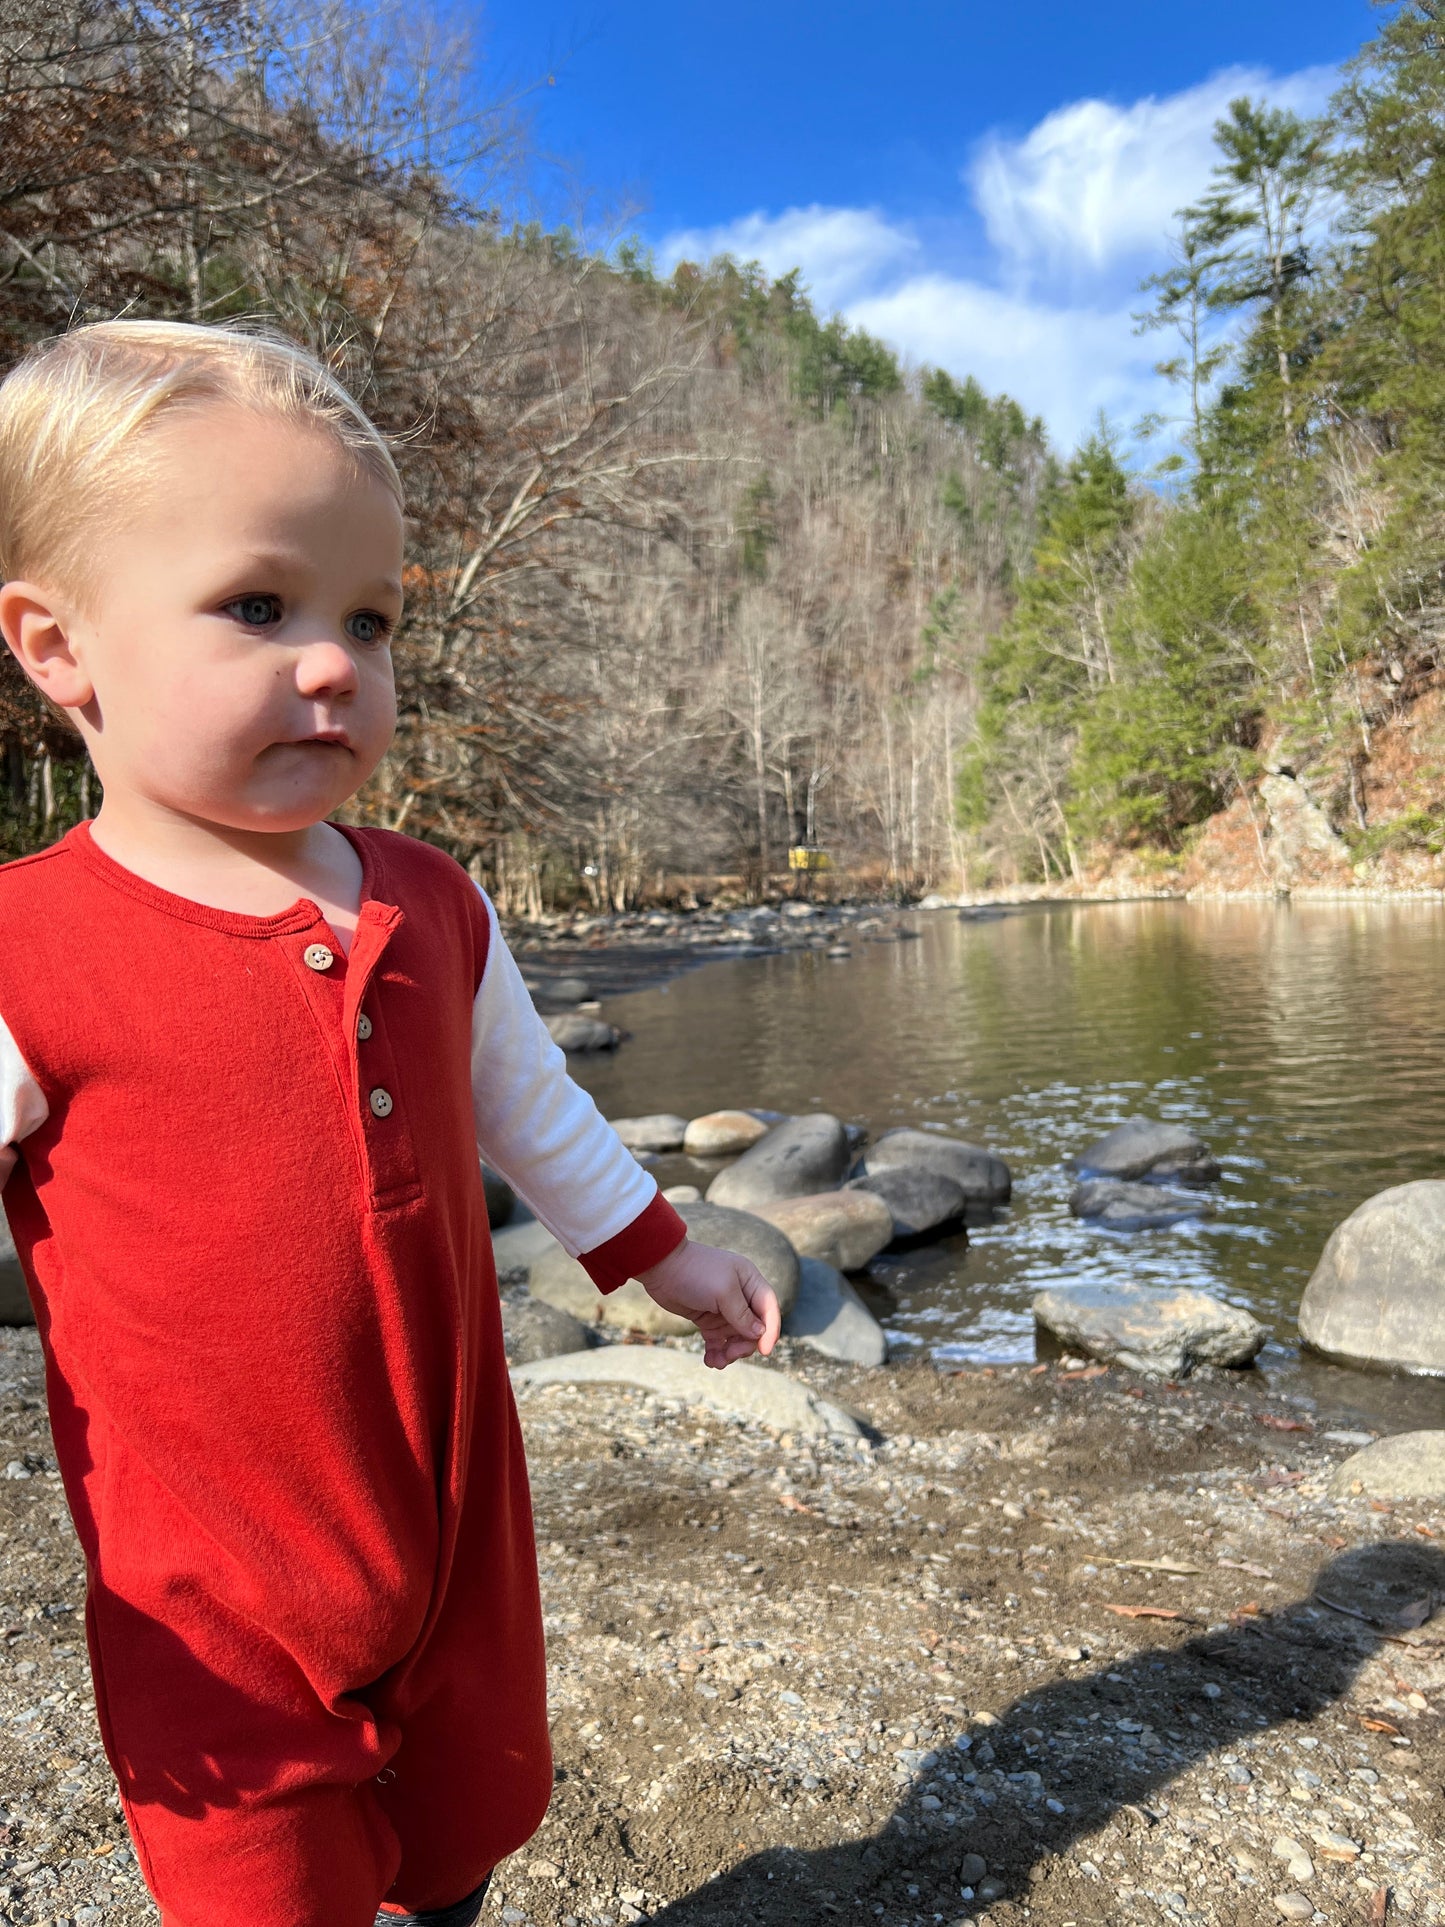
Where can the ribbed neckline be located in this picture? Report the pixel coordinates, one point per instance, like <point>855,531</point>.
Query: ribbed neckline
<point>302,915</point>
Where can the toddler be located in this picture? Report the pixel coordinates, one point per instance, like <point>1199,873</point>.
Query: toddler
<point>247,1061</point>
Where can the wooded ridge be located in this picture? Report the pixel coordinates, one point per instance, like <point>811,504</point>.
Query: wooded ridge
<point>698,577</point>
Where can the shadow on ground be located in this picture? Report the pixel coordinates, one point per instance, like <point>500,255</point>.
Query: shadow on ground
<point>1062,1743</point>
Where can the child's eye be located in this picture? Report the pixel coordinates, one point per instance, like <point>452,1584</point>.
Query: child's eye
<point>255,611</point>
<point>369,625</point>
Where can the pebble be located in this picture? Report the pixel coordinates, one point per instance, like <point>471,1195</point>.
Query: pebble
<point>1294,1906</point>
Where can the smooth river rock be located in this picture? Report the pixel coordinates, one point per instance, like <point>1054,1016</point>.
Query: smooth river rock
<point>749,1392</point>
<point>533,1330</point>
<point>796,1158</point>
<point>722,1134</point>
<point>15,1307</point>
<point>1141,1147</point>
<point>1410,1465</point>
<point>1136,1207</point>
<point>1164,1333</point>
<point>829,1317</point>
<point>660,1132</point>
<point>575,1032</point>
<point>842,1228</point>
<point>558,1279</point>
<point>983,1178</point>
<point>1393,1584</point>
<point>1377,1296</point>
<point>918,1202</point>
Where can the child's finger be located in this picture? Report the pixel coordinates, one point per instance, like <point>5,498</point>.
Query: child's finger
<point>763,1301</point>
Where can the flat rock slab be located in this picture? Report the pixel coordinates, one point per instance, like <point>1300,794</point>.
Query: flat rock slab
<point>722,1134</point>
<point>15,1306</point>
<point>742,1391</point>
<point>1391,1584</point>
<point>575,1032</point>
<point>517,1247</point>
<point>660,1132</point>
<point>842,1228</point>
<point>1136,1207</point>
<point>918,1202</point>
<point>1141,1147</point>
<point>796,1158</point>
<point>983,1178</point>
<point>829,1317</point>
<point>1410,1465</point>
<point>1164,1333</point>
<point>1377,1296</point>
<point>532,1330</point>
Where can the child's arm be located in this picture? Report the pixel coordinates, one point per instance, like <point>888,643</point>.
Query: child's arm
<point>548,1140</point>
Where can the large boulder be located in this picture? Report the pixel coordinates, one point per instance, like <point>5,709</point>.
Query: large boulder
<point>1135,1207</point>
<point>1140,1147</point>
<point>829,1317</point>
<point>532,1330</point>
<point>842,1228</point>
<point>15,1306</point>
<point>558,1279</point>
<point>1411,1465</point>
<point>983,1178</point>
<point>1377,1296</point>
<point>919,1202</point>
<point>662,1131</point>
<point>722,1134</point>
<point>797,1157</point>
<point>575,1032</point>
<point>1165,1333</point>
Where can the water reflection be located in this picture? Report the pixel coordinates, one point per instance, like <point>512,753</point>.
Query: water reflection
<point>1304,1043</point>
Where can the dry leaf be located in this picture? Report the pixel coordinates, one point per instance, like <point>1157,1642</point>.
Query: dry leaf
<point>1246,1565</point>
<point>790,1504</point>
<point>1089,1371</point>
<point>1158,1565</point>
<point>1378,1726</point>
<point>1144,1612</point>
<point>1379,1906</point>
<point>1034,1370</point>
<point>1278,1424</point>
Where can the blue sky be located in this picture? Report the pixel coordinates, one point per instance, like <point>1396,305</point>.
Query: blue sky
<point>982,186</point>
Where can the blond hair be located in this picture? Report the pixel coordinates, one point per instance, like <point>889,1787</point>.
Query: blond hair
<point>76,411</point>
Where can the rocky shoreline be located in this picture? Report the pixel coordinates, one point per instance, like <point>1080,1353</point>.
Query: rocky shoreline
<point>1060,1644</point>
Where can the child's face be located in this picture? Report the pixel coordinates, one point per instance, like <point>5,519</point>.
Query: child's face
<point>238,656</point>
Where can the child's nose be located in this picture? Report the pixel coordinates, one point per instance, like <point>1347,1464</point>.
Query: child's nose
<point>325,668</point>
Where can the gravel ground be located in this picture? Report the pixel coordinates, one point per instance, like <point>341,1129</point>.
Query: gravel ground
<point>881,1680</point>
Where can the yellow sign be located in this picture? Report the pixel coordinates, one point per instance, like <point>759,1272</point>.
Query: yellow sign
<point>801,858</point>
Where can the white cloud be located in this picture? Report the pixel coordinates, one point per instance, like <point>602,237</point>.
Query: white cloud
<point>1064,363</point>
<point>1071,215</point>
<point>1094,183</point>
<point>841,250</point>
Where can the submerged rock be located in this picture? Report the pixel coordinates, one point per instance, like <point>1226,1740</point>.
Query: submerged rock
<point>842,1228</point>
<point>983,1178</point>
<point>831,1318</point>
<point>722,1134</point>
<point>575,1032</point>
<point>532,1330</point>
<point>1135,1207</point>
<point>918,1202</point>
<point>1141,1147</point>
<point>662,1131</point>
<point>1377,1296</point>
<point>797,1157</point>
<point>1411,1465</point>
<point>1165,1333</point>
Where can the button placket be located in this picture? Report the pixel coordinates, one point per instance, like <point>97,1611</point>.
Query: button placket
<point>386,1141</point>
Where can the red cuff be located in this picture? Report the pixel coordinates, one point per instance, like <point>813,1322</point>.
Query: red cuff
<point>641,1245</point>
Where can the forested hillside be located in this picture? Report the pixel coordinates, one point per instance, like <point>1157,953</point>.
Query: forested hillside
<point>698,574</point>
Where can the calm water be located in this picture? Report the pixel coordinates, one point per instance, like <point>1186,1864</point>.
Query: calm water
<point>1305,1044</point>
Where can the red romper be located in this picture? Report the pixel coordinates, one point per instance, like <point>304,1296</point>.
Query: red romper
<point>247,1196</point>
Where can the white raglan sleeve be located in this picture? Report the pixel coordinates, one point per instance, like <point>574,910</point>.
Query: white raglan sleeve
<point>546,1137</point>
<point>23,1108</point>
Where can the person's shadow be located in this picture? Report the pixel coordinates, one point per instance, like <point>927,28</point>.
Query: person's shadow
<point>1066,1757</point>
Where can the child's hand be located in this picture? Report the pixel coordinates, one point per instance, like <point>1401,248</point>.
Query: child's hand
<point>725,1296</point>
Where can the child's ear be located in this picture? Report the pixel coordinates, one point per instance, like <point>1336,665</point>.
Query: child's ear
<point>36,627</point>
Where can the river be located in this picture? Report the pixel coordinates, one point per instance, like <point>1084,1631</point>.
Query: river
<point>1304,1042</point>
